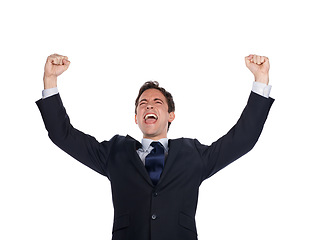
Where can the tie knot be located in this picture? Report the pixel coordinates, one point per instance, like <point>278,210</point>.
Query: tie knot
<point>158,148</point>
<point>155,144</point>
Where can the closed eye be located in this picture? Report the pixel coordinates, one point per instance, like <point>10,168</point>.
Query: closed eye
<point>159,101</point>
<point>143,101</point>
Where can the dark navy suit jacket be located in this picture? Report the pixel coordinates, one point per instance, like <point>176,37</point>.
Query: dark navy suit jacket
<point>166,211</point>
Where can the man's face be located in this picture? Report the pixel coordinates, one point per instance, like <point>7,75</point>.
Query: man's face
<point>152,114</point>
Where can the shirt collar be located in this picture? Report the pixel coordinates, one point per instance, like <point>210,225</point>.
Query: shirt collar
<point>146,143</point>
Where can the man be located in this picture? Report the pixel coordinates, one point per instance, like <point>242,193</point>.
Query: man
<point>155,184</point>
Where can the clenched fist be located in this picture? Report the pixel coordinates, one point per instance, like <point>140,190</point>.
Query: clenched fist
<point>259,66</point>
<point>55,66</point>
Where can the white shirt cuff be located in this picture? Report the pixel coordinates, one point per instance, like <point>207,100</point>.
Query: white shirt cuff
<point>261,89</point>
<point>49,92</point>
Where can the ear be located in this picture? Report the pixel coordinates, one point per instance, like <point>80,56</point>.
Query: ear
<point>171,117</point>
<point>135,118</point>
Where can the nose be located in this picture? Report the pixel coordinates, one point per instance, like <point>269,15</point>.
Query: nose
<point>149,106</point>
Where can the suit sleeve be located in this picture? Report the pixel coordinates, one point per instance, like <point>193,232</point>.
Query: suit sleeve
<point>239,140</point>
<point>79,145</point>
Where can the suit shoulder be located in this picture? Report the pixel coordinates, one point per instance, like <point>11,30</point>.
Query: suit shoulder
<point>185,141</point>
<point>116,138</point>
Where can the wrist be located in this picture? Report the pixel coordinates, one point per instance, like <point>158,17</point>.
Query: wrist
<point>50,82</point>
<point>262,79</point>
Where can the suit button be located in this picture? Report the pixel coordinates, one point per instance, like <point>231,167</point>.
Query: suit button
<point>154,216</point>
<point>155,194</point>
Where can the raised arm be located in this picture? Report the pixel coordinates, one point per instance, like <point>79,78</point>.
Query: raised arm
<point>79,145</point>
<point>242,137</point>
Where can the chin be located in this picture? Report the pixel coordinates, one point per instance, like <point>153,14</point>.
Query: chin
<point>149,134</point>
<point>152,132</point>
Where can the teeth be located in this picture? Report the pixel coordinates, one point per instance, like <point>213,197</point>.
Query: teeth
<point>150,115</point>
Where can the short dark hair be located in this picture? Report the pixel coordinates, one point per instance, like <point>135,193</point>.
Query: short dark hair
<point>155,85</point>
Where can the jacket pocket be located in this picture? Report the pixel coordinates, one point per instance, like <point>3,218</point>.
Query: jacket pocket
<point>120,222</point>
<point>187,222</point>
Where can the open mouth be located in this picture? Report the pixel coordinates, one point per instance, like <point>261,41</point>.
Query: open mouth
<point>150,118</point>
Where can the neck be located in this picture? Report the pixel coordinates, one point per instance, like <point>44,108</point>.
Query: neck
<point>155,138</point>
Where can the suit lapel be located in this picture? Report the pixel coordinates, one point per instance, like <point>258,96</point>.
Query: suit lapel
<point>132,146</point>
<point>174,148</point>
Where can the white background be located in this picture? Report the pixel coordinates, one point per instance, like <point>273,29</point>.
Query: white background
<point>196,50</point>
